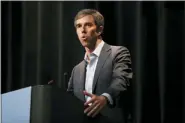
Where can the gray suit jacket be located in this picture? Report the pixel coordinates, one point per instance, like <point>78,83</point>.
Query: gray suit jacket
<point>112,75</point>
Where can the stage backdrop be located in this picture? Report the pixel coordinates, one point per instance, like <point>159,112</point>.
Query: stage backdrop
<point>39,43</point>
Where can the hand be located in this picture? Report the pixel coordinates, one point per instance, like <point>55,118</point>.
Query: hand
<point>98,102</point>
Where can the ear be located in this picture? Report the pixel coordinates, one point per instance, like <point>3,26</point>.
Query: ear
<point>100,30</point>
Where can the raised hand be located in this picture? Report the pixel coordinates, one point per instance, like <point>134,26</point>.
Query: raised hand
<point>98,102</point>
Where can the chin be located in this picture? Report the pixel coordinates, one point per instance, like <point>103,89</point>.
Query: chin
<point>85,44</point>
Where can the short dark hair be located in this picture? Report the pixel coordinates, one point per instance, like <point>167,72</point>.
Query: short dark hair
<point>98,17</point>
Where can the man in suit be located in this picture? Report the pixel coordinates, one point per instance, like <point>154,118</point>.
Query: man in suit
<point>102,79</point>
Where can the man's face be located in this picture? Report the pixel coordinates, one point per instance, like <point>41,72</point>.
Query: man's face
<point>86,30</point>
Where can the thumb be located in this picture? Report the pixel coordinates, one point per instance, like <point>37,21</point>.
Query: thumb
<point>87,94</point>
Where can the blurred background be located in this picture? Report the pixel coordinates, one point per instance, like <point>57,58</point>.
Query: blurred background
<point>39,44</point>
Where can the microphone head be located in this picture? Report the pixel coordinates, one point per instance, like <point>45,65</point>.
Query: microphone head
<point>65,73</point>
<point>50,82</point>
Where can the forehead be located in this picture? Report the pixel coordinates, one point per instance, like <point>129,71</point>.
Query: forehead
<point>85,19</point>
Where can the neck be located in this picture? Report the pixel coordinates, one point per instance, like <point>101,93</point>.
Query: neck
<point>91,49</point>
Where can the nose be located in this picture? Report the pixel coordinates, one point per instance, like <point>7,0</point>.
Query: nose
<point>83,29</point>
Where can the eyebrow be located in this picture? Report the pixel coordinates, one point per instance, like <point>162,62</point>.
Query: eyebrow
<point>84,23</point>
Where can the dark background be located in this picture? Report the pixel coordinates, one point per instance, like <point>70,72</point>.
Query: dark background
<point>39,43</point>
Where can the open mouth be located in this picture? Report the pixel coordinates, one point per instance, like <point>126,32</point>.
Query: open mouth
<point>84,37</point>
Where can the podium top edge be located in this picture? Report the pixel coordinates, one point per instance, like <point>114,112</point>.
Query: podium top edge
<point>34,86</point>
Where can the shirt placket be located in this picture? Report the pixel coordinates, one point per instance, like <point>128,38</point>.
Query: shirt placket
<point>90,76</point>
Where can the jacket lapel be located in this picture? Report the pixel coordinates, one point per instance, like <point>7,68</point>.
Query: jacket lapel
<point>105,52</point>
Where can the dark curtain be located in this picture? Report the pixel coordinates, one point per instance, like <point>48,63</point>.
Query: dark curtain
<point>39,43</point>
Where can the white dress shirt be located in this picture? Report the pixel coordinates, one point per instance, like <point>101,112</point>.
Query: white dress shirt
<point>90,71</point>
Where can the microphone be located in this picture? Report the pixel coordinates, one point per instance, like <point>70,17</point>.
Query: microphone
<point>51,82</point>
<point>65,82</point>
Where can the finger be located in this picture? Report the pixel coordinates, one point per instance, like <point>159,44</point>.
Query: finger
<point>90,101</point>
<point>97,111</point>
<point>88,109</point>
<point>94,110</point>
<point>92,107</point>
<point>88,94</point>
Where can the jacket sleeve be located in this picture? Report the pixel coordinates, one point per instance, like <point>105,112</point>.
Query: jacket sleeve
<point>122,73</point>
<point>70,83</point>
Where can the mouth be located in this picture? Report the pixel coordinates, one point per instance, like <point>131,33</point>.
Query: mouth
<point>83,37</point>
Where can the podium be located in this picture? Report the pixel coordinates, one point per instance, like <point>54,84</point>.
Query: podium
<point>41,104</point>
<point>46,104</point>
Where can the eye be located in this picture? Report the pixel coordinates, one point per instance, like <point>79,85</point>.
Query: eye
<point>89,24</point>
<point>78,25</point>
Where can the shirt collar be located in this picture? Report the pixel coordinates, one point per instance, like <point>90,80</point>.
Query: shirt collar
<point>97,50</point>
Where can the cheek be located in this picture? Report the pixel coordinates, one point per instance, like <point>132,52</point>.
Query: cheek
<point>93,32</point>
<point>78,34</point>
